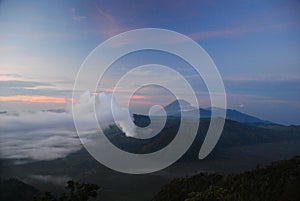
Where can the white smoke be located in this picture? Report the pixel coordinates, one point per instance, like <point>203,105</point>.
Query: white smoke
<point>104,107</point>
<point>107,111</point>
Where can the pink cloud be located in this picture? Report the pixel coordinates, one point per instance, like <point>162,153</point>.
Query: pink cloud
<point>33,99</point>
<point>113,89</point>
<point>138,97</point>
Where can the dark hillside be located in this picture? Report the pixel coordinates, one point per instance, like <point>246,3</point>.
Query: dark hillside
<point>277,182</point>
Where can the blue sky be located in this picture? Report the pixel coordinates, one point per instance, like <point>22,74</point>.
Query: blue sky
<point>254,44</point>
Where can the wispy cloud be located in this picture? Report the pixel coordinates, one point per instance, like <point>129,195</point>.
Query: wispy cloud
<point>76,16</point>
<point>113,89</point>
<point>112,26</point>
<point>33,99</point>
<point>138,97</point>
<point>22,83</point>
<point>10,77</point>
<point>28,91</point>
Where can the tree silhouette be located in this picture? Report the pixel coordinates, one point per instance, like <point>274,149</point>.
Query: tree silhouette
<point>213,193</point>
<point>76,191</point>
<point>279,181</point>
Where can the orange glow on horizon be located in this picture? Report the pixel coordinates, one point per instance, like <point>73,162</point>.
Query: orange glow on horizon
<point>113,89</point>
<point>137,97</point>
<point>33,99</point>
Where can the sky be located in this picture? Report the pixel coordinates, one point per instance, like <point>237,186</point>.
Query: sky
<point>254,44</point>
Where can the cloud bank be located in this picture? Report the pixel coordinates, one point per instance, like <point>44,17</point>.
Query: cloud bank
<point>51,134</point>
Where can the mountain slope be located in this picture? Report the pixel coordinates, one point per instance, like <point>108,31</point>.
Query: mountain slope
<point>173,109</point>
<point>234,134</point>
<point>239,116</point>
<point>279,181</point>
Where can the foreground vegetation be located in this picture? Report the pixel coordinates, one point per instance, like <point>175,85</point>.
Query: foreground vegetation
<point>279,181</point>
<point>76,191</point>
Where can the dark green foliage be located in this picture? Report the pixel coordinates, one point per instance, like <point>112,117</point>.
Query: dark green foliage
<point>212,193</point>
<point>75,192</point>
<point>277,182</point>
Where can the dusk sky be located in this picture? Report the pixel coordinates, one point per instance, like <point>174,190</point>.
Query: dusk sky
<point>254,44</point>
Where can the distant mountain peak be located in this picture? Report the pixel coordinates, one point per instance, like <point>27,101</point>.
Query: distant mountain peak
<point>179,101</point>
<point>182,107</point>
<point>177,106</point>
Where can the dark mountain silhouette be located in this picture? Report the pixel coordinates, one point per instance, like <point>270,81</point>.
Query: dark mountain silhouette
<point>187,110</point>
<point>234,134</point>
<point>174,107</point>
<point>240,117</point>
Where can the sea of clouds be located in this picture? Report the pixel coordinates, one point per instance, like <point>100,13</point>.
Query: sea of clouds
<point>51,134</point>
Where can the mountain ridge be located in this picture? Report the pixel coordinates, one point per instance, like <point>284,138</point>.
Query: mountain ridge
<point>173,109</point>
